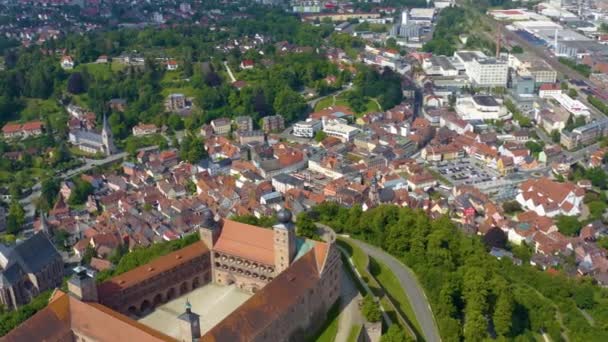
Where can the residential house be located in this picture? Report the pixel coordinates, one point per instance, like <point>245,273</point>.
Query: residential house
<point>421,181</point>
<point>221,126</point>
<point>144,129</point>
<point>67,63</point>
<point>550,198</point>
<point>25,130</point>
<point>172,65</point>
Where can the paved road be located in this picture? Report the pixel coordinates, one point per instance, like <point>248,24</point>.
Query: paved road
<point>312,103</point>
<point>407,278</point>
<point>230,74</point>
<point>410,285</point>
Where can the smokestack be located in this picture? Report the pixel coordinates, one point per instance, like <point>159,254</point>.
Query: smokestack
<point>498,38</point>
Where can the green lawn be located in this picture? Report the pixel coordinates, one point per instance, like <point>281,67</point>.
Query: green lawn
<point>354,333</point>
<point>186,90</point>
<point>359,258</point>
<point>393,288</point>
<point>370,105</point>
<point>101,71</point>
<point>172,82</point>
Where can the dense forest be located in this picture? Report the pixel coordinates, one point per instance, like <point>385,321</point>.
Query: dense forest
<point>475,296</point>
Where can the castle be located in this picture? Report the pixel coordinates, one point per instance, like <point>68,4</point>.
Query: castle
<point>292,283</point>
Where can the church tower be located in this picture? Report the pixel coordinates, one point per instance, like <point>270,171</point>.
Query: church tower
<point>189,325</point>
<point>284,241</point>
<point>106,137</point>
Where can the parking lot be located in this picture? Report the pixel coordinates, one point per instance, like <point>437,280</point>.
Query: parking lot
<point>465,171</point>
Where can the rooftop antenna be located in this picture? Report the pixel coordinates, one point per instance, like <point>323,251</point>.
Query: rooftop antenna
<point>498,41</point>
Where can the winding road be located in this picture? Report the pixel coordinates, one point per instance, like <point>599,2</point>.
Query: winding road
<point>407,278</point>
<point>410,286</point>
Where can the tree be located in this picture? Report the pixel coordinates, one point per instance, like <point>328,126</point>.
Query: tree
<point>320,136</point>
<point>61,238</point>
<point>555,136</point>
<point>572,93</point>
<point>534,147</point>
<point>76,84</point>
<point>568,225</point>
<point>175,122</point>
<point>60,155</point>
<point>511,207</point>
<point>495,237</point>
<point>391,43</point>
<point>597,209</point>
<point>503,313</point>
<point>597,176</point>
<point>289,104</point>
<point>395,334</point>
<point>80,193</point>
<point>88,254</point>
<point>15,218</point>
<point>370,309</point>
<point>305,226</point>
<point>583,297</point>
<point>192,149</point>
<point>516,49</point>
<point>212,79</point>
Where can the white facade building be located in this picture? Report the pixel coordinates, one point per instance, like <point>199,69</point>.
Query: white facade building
<point>482,70</point>
<point>481,107</point>
<point>339,129</point>
<point>307,129</point>
<point>575,107</point>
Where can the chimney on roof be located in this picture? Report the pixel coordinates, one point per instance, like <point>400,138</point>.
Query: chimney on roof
<point>82,285</point>
<point>189,325</point>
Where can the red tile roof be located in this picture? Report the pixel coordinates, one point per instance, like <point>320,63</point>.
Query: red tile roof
<point>155,267</point>
<point>274,299</point>
<point>11,128</point>
<point>247,241</point>
<point>65,314</point>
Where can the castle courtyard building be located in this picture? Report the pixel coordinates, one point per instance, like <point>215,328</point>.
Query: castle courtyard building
<point>285,286</point>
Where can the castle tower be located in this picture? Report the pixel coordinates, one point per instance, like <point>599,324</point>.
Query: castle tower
<point>189,325</point>
<point>106,137</point>
<point>83,286</point>
<point>209,232</point>
<point>284,241</point>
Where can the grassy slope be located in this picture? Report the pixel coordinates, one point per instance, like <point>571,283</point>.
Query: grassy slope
<point>391,284</point>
